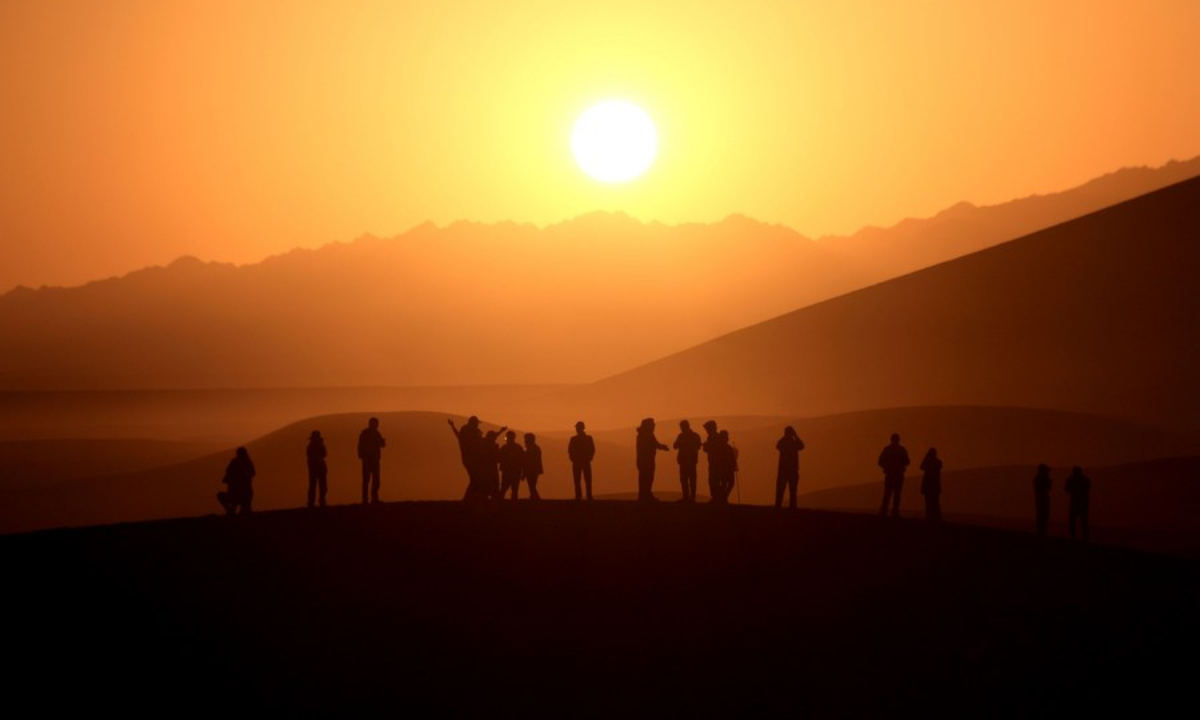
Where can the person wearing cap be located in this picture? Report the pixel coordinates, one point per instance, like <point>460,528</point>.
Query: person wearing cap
<point>318,472</point>
<point>581,449</point>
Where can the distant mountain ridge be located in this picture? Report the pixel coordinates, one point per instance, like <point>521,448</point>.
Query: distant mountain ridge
<point>473,303</point>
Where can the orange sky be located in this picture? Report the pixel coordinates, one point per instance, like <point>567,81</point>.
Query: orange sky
<point>134,131</point>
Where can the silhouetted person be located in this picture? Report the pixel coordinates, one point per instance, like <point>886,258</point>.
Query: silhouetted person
<point>469,439</point>
<point>512,465</point>
<point>1079,487</point>
<point>711,440</point>
<point>647,447</point>
<point>1041,499</point>
<point>789,447</point>
<point>370,445</point>
<point>728,466</point>
<point>239,476</point>
<point>931,485</point>
<point>688,444</point>
<point>581,449</point>
<point>894,461</point>
<point>318,472</point>
<point>532,465</point>
<point>488,459</point>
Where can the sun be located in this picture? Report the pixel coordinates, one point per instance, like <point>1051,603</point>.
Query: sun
<point>614,141</point>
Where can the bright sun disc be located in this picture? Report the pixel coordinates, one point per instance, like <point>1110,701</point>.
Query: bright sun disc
<point>614,141</point>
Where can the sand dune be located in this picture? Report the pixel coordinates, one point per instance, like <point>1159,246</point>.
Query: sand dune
<point>1097,315</point>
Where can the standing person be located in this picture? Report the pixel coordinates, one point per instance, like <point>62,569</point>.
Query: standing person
<point>469,437</point>
<point>512,465</point>
<point>581,449</point>
<point>318,472</point>
<point>894,461</point>
<point>1079,487</point>
<point>729,465</point>
<point>710,445</point>
<point>1041,499</point>
<point>647,447</point>
<point>370,445</point>
<point>532,464</point>
<point>931,485</point>
<point>488,466</point>
<point>688,444</point>
<point>789,447</point>
<point>239,476</point>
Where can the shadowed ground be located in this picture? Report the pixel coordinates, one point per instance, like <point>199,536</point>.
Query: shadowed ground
<point>570,609</point>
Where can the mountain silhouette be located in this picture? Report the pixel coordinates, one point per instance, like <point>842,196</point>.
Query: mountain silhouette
<point>1097,315</point>
<point>473,303</point>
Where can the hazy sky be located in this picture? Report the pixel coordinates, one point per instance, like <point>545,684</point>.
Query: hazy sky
<point>134,131</point>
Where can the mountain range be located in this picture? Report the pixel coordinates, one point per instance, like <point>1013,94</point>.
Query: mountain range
<point>473,304</point>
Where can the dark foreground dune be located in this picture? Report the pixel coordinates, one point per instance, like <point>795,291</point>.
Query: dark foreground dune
<point>567,610</point>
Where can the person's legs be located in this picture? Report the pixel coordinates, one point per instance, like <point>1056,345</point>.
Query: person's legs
<point>793,486</point>
<point>899,485</point>
<point>577,474</point>
<point>366,478</point>
<point>323,486</point>
<point>587,479</point>
<point>312,488</point>
<point>780,484</point>
<point>375,483</point>
<point>1083,522</point>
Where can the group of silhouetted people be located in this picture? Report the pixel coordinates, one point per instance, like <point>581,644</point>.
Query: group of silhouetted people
<point>495,471</point>
<point>1078,486</point>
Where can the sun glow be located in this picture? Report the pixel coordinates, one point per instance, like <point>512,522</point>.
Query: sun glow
<point>614,141</point>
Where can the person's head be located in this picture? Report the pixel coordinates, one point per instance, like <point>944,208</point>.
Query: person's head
<point>711,426</point>
<point>895,438</point>
<point>932,453</point>
<point>685,425</point>
<point>1076,470</point>
<point>242,453</point>
<point>789,431</point>
<point>579,427</point>
<point>724,435</point>
<point>472,421</point>
<point>510,436</point>
<point>373,423</point>
<point>491,436</point>
<point>1043,469</point>
<point>647,424</point>
<point>530,439</point>
<point>316,435</point>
